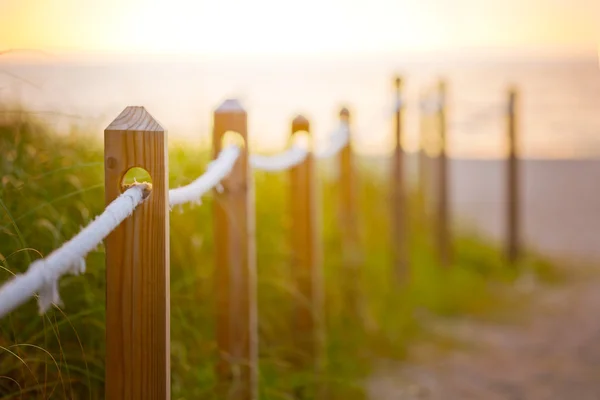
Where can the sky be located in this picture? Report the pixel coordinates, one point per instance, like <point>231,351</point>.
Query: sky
<point>299,27</point>
<point>445,29</point>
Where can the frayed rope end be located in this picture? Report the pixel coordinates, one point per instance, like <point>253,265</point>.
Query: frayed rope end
<point>48,293</point>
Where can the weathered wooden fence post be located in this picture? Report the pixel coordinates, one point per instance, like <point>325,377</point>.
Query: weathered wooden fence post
<point>513,193</point>
<point>348,206</point>
<point>234,230</point>
<point>137,264</point>
<point>444,240</point>
<point>399,198</point>
<point>352,256</point>
<point>306,257</point>
<point>423,161</point>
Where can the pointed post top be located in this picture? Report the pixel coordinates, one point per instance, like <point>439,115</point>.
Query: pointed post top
<point>134,118</point>
<point>398,83</point>
<point>230,106</point>
<point>512,99</point>
<point>300,119</point>
<point>300,123</point>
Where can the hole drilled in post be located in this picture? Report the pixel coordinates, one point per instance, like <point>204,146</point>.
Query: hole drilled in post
<point>135,175</point>
<point>231,138</point>
<point>301,140</point>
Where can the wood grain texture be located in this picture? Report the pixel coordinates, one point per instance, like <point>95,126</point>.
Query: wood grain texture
<point>234,230</point>
<point>443,209</point>
<point>306,260</point>
<point>423,174</point>
<point>399,203</point>
<point>137,264</point>
<point>513,194</point>
<point>349,230</point>
<point>348,179</point>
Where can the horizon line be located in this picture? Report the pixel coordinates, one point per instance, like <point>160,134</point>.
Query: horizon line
<point>469,52</point>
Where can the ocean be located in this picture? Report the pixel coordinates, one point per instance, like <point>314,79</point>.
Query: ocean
<point>560,204</point>
<point>560,98</point>
<point>559,120</point>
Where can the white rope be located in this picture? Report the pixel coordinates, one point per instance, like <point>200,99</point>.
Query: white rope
<point>42,275</point>
<point>289,158</point>
<point>399,104</point>
<point>215,172</point>
<point>296,155</point>
<point>337,141</point>
<point>431,105</point>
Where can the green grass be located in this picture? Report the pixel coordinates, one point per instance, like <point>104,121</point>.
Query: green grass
<point>52,185</point>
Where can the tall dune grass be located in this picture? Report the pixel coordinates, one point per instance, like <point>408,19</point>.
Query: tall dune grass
<point>52,185</point>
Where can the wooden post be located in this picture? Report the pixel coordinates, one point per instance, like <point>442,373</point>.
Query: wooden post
<point>137,264</point>
<point>443,213</point>
<point>348,209</point>
<point>306,258</point>
<point>423,162</point>
<point>513,226</point>
<point>234,230</point>
<point>399,203</point>
<point>348,215</point>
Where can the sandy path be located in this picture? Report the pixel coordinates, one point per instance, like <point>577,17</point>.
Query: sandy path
<point>552,352</point>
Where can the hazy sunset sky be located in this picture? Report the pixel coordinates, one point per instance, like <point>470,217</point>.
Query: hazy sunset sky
<point>308,26</point>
